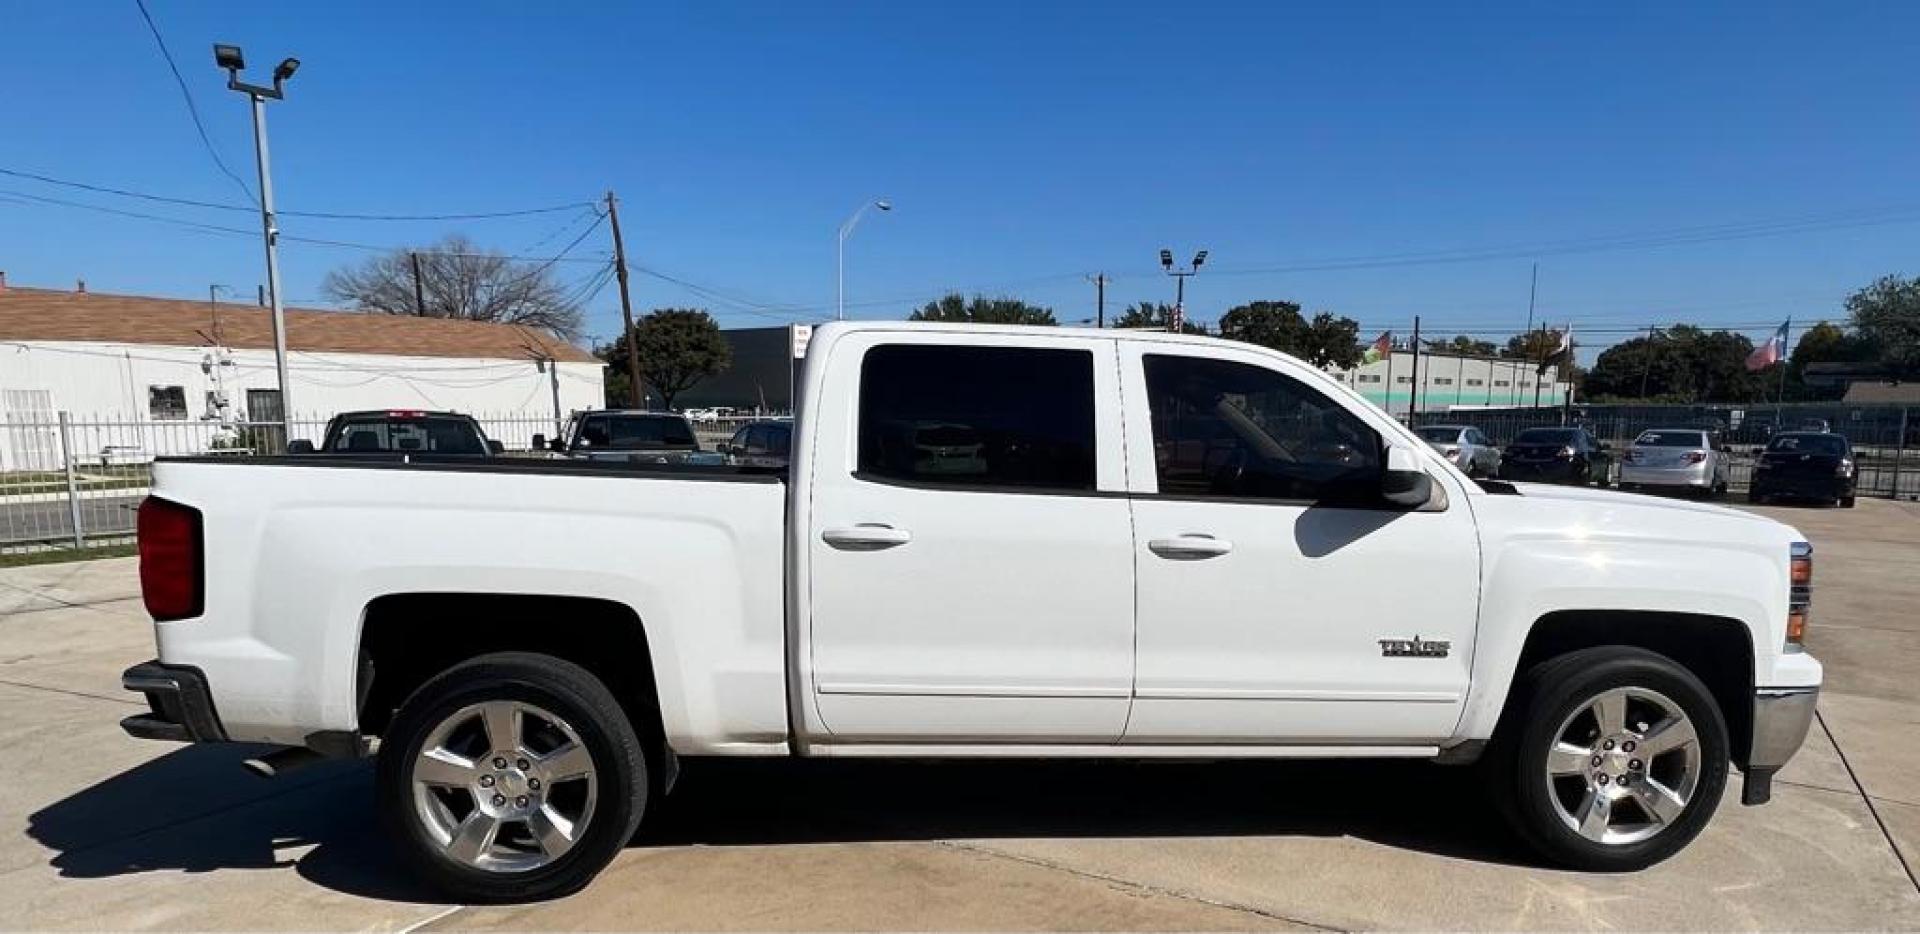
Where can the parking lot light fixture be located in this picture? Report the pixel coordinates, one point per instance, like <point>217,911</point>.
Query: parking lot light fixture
<point>230,58</point>
<point>840,275</point>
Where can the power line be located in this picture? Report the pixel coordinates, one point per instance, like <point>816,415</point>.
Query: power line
<point>318,215</point>
<point>187,95</point>
<point>317,241</point>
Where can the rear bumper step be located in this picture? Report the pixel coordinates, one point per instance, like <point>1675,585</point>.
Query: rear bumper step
<point>180,707</point>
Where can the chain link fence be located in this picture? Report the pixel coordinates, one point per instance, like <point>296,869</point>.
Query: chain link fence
<point>1881,435</point>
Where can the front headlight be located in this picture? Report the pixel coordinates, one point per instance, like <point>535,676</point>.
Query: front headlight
<point>1845,469</point>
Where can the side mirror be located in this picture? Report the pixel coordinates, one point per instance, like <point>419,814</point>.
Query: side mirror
<point>496,448</point>
<point>557,446</point>
<point>299,446</point>
<point>1404,483</point>
<point>539,441</point>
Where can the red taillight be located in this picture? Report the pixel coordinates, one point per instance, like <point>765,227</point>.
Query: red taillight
<point>1695,457</point>
<point>172,581</point>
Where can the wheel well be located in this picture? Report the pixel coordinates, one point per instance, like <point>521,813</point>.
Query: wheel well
<point>1717,650</point>
<point>406,639</point>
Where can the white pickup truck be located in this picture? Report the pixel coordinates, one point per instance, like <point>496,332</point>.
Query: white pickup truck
<point>993,541</point>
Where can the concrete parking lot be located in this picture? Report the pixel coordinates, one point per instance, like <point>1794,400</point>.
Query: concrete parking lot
<point>103,831</point>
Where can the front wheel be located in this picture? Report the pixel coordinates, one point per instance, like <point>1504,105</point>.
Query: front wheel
<point>1616,758</point>
<point>1846,502</point>
<point>511,777</point>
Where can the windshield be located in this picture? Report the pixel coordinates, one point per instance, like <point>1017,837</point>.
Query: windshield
<point>634,432</point>
<point>1671,439</point>
<point>1810,444</point>
<point>1547,436</point>
<point>1438,435</point>
<point>412,434</point>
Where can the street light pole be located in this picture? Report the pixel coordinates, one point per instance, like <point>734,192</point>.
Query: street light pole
<point>1180,274</point>
<point>229,58</point>
<point>840,256</point>
<point>271,234</point>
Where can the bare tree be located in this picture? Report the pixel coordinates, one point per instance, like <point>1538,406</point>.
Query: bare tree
<point>458,279</point>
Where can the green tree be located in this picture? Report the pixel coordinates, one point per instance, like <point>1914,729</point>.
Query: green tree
<point>1466,347</point>
<point>1826,343</point>
<point>1887,314</point>
<point>980,310</point>
<point>1150,315</point>
<point>1680,364</point>
<point>678,347</point>
<point>1325,340</point>
<point>1533,345</point>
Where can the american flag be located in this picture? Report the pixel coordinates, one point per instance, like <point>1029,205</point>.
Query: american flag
<point>1771,352</point>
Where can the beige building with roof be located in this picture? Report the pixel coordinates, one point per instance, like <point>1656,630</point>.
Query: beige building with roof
<point>116,358</point>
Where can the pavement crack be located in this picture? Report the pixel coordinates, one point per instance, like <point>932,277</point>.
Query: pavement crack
<point>90,696</point>
<point>1871,809</point>
<point>1136,885</point>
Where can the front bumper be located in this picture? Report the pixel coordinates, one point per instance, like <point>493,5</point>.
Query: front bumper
<point>180,705</point>
<point>1781,719</point>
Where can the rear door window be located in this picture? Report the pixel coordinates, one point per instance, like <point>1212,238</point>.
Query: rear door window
<point>956,415</point>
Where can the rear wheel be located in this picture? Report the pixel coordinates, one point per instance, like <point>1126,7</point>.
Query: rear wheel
<point>1615,757</point>
<point>1846,502</point>
<point>510,777</point>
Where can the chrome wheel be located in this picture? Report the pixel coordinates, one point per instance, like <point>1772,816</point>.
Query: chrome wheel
<point>504,786</point>
<point>1623,766</point>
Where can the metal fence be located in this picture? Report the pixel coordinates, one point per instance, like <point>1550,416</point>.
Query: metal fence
<point>69,482</point>
<point>1881,435</point>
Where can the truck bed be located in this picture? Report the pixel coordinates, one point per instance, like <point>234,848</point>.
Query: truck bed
<point>299,548</point>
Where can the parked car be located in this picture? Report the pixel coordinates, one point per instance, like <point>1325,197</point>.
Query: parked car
<point>1677,458</point>
<point>1804,465</point>
<point>1465,446</point>
<point>631,436</point>
<point>401,431</point>
<point>761,446</point>
<point>1557,455</point>
<point>1161,546</point>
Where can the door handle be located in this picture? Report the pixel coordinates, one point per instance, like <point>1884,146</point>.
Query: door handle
<point>1189,547</point>
<point>869,536</point>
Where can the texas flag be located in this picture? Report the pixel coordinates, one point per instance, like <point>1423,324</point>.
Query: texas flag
<point>1771,352</point>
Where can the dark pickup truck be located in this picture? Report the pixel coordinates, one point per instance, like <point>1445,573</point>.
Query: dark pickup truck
<point>402,431</point>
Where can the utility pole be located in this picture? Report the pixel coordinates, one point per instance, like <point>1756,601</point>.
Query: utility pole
<point>419,295</point>
<point>553,376</point>
<point>626,301</point>
<point>1648,369</point>
<point>1099,281</point>
<point>1413,400</point>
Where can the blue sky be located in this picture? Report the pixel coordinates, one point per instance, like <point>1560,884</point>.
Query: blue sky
<point>1024,146</point>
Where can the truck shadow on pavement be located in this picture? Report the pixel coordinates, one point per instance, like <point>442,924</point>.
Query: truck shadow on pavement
<point>196,810</point>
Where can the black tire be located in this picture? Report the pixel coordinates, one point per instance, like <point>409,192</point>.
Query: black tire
<point>1846,502</point>
<point>566,690</point>
<point>1552,691</point>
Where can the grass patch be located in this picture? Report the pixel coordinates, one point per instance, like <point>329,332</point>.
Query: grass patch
<point>58,555</point>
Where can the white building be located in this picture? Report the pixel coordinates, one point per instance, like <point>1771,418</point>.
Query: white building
<point>206,367</point>
<point>1451,381</point>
